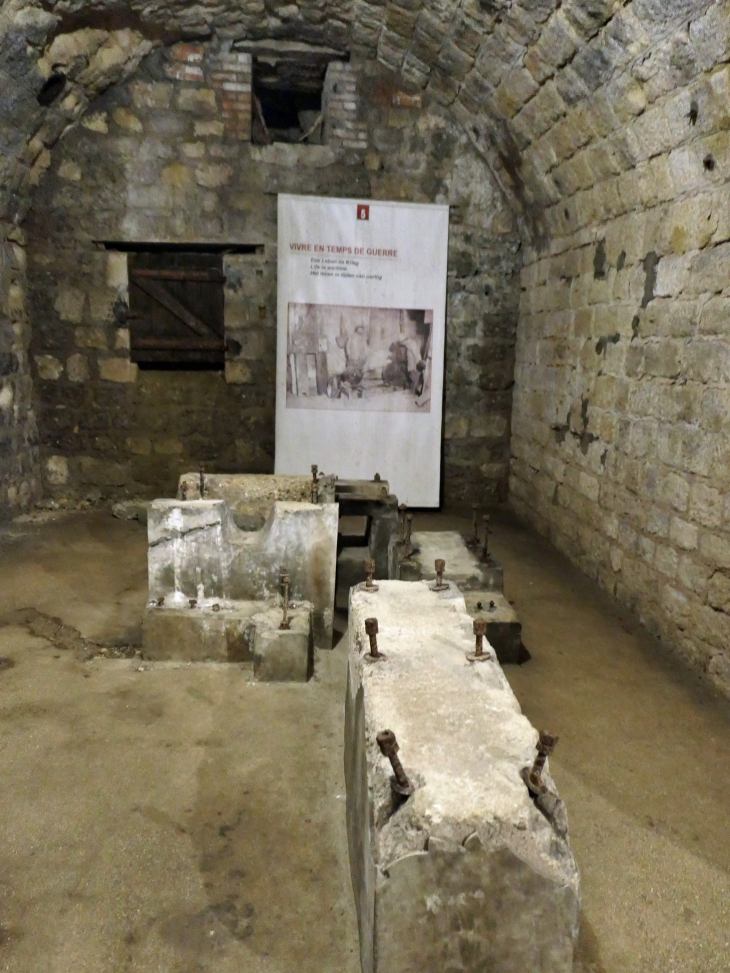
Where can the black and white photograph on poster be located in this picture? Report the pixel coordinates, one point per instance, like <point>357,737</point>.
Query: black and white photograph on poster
<point>359,358</point>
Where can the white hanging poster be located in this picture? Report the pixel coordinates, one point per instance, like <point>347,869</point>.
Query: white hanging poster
<point>360,341</point>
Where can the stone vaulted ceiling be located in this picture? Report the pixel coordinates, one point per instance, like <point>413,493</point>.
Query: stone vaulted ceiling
<point>544,89</point>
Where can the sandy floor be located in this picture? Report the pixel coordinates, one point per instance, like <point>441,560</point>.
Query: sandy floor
<point>181,818</point>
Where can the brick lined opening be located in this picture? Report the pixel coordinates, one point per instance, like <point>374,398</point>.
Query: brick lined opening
<point>288,105</point>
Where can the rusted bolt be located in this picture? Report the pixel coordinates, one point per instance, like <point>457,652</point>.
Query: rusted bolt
<point>192,602</point>
<point>440,566</point>
<point>369,566</point>
<point>315,483</point>
<point>480,630</point>
<point>377,478</point>
<point>371,630</point>
<point>545,746</point>
<point>474,539</point>
<point>492,606</point>
<point>161,601</point>
<point>407,537</point>
<point>485,548</point>
<point>402,515</point>
<point>284,581</point>
<point>216,607</point>
<point>201,478</point>
<point>389,748</point>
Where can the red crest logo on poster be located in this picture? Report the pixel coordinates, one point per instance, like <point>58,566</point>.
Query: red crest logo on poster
<point>363,211</point>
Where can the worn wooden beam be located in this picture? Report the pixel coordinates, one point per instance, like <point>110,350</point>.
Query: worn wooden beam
<point>212,275</point>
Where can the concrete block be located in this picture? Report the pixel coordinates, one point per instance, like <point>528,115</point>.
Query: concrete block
<point>463,567</point>
<point>470,872</point>
<point>201,634</point>
<point>283,655</point>
<point>196,551</point>
<point>371,499</point>
<point>350,571</point>
<point>504,629</point>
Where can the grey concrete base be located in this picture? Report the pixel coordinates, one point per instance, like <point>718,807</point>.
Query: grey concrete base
<point>238,632</point>
<point>283,655</point>
<point>468,874</point>
<point>463,567</point>
<point>200,634</point>
<point>504,629</point>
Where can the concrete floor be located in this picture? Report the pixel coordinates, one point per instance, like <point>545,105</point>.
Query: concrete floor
<point>183,819</point>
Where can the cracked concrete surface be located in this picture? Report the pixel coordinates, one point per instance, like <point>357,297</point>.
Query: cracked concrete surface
<point>141,811</point>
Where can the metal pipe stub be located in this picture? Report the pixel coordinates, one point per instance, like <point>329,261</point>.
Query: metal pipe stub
<point>399,782</point>
<point>371,630</point>
<point>440,566</point>
<point>369,566</point>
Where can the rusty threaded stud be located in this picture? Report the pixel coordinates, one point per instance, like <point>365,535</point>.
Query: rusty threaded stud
<point>389,748</point>
<point>545,746</point>
<point>192,602</point>
<point>485,548</point>
<point>479,628</point>
<point>440,566</point>
<point>407,538</point>
<point>285,624</point>
<point>474,539</point>
<point>371,630</point>
<point>315,483</point>
<point>369,566</point>
<point>376,478</point>
<point>161,601</point>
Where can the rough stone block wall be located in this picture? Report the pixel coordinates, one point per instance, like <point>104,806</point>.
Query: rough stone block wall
<point>622,399</point>
<point>164,157</point>
<point>20,483</point>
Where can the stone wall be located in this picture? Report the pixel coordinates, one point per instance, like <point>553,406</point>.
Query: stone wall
<point>166,157</point>
<point>20,483</point>
<point>622,400</point>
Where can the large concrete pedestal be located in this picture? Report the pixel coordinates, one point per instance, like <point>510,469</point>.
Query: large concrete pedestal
<point>470,873</point>
<point>197,552</point>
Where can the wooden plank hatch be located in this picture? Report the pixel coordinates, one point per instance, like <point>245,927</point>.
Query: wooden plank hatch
<point>176,308</point>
